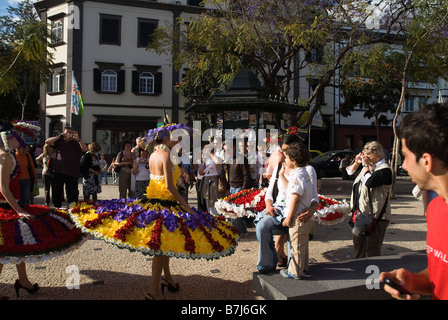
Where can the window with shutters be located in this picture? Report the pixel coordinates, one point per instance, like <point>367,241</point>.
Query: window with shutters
<point>146,83</point>
<point>109,77</point>
<point>146,80</point>
<point>109,81</point>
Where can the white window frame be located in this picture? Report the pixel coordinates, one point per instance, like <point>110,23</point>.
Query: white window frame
<point>146,81</point>
<point>57,31</point>
<point>109,80</point>
<point>56,85</point>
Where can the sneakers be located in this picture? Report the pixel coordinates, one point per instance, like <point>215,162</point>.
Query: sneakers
<point>284,273</point>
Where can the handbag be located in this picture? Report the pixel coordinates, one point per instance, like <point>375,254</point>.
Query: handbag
<point>223,185</point>
<point>363,224</point>
<point>117,169</point>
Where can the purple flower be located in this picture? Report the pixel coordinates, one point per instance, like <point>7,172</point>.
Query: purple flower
<point>146,217</point>
<point>170,220</point>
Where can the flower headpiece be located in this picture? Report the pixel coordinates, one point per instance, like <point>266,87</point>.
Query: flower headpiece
<point>163,131</point>
<point>27,126</point>
<point>8,129</point>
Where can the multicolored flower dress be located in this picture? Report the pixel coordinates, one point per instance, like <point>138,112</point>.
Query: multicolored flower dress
<point>249,202</point>
<point>50,234</point>
<point>157,225</point>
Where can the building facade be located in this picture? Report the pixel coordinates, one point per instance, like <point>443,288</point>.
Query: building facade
<point>126,89</point>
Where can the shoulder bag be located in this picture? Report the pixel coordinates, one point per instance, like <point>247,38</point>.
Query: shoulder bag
<point>363,224</point>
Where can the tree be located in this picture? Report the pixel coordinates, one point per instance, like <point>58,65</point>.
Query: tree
<point>276,37</point>
<point>25,60</point>
<point>376,88</point>
<point>428,29</point>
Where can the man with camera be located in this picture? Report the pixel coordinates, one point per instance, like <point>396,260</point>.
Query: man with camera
<point>68,148</point>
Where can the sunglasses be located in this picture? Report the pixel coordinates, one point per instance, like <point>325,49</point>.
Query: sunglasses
<point>369,149</point>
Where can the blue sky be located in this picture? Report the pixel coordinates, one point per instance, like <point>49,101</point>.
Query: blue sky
<point>6,3</point>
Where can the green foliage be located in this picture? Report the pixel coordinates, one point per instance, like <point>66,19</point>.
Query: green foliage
<point>25,61</point>
<point>376,88</point>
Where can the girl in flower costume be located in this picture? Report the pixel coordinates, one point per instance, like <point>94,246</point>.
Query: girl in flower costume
<point>161,224</point>
<point>30,233</point>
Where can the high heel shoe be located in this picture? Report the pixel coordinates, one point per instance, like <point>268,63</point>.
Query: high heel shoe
<point>171,288</point>
<point>18,286</point>
<point>149,296</point>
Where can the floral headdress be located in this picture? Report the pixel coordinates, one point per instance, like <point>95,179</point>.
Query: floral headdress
<point>27,126</point>
<point>163,131</point>
<point>10,129</point>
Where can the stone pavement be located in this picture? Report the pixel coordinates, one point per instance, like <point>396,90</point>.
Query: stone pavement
<point>109,273</point>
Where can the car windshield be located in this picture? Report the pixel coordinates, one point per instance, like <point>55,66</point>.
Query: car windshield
<point>325,156</point>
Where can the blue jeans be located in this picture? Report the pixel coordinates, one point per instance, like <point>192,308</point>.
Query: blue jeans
<point>101,175</point>
<point>265,228</point>
<point>239,223</point>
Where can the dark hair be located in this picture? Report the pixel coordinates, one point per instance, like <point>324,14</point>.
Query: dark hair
<point>290,138</point>
<point>426,131</point>
<point>298,152</point>
<point>162,134</point>
<point>125,142</point>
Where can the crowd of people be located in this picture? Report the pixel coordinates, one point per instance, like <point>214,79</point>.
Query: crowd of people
<point>291,192</point>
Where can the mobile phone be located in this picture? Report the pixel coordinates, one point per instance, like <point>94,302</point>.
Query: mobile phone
<point>391,283</point>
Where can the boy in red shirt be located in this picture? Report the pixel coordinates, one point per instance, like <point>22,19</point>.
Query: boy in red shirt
<point>424,137</point>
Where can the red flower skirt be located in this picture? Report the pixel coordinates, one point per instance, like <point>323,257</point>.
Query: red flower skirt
<point>50,234</point>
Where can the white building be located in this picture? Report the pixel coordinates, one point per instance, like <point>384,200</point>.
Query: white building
<point>126,89</point>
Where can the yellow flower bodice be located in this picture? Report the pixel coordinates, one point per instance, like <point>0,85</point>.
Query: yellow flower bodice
<point>157,186</point>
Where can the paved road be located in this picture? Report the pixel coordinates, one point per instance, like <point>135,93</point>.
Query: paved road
<point>107,272</point>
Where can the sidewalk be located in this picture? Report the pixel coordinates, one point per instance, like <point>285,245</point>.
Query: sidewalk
<point>107,272</point>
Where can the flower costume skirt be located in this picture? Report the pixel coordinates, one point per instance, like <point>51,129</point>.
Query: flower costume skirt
<point>157,227</point>
<point>50,234</point>
<point>250,202</point>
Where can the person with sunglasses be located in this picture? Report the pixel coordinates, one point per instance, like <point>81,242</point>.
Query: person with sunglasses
<point>370,194</point>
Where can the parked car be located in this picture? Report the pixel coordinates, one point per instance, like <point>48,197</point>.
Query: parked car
<point>327,164</point>
<point>314,153</point>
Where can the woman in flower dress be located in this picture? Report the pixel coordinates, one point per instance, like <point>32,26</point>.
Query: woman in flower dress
<point>162,224</point>
<point>29,233</point>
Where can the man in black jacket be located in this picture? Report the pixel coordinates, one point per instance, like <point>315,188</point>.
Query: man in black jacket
<point>68,148</point>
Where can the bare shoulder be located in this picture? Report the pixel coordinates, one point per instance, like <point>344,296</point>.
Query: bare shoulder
<point>157,161</point>
<point>5,159</point>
